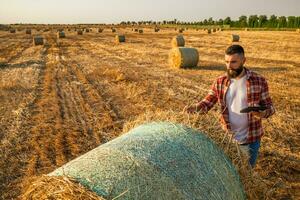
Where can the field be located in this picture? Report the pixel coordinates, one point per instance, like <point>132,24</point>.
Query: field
<point>63,99</point>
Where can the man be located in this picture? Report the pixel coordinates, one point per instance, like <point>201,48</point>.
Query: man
<point>239,88</point>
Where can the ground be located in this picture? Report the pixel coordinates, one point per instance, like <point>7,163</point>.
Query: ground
<point>63,99</point>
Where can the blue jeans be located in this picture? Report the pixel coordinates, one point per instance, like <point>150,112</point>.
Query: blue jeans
<point>253,149</point>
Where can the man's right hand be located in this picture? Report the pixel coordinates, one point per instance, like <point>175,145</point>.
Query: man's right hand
<point>191,109</point>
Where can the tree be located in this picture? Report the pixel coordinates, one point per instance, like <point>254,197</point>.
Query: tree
<point>272,23</point>
<point>253,21</point>
<point>291,22</point>
<point>282,22</point>
<point>227,21</point>
<point>262,20</point>
<point>243,21</point>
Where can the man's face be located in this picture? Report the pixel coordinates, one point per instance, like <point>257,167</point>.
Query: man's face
<point>234,64</point>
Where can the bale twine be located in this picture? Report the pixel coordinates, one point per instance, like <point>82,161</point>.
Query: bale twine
<point>235,38</point>
<point>183,57</point>
<point>141,31</point>
<point>158,160</point>
<point>61,34</point>
<point>120,38</point>
<point>79,32</point>
<point>28,31</point>
<point>178,41</point>
<point>12,30</point>
<point>38,40</point>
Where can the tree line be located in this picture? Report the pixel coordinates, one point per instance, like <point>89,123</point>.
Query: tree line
<point>252,21</point>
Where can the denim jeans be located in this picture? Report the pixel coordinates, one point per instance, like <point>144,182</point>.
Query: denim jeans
<point>253,149</point>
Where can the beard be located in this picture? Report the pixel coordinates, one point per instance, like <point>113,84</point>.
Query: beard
<point>233,73</point>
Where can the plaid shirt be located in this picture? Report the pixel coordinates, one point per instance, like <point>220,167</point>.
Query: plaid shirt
<point>257,94</point>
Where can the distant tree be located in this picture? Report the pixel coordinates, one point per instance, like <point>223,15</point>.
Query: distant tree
<point>291,22</point>
<point>243,21</point>
<point>253,21</point>
<point>262,20</point>
<point>282,22</point>
<point>227,21</point>
<point>272,22</point>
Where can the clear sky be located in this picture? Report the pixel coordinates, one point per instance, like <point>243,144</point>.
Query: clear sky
<point>115,11</point>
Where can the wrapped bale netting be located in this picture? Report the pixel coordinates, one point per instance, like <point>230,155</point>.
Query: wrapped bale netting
<point>178,41</point>
<point>61,34</point>
<point>38,40</point>
<point>183,57</point>
<point>235,38</point>
<point>120,38</point>
<point>157,161</point>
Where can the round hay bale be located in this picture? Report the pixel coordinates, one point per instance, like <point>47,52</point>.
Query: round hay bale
<point>12,30</point>
<point>79,32</point>
<point>157,161</point>
<point>141,31</point>
<point>235,38</point>
<point>156,29</point>
<point>208,31</point>
<point>136,30</point>
<point>246,29</point>
<point>178,41</point>
<point>61,34</point>
<point>183,57</point>
<point>113,30</point>
<point>100,30</point>
<point>298,30</point>
<point>87,30</point>
<point>28,31</point>
<point>181,30</point>
<point>214,30</point>
<point>120,38</point>
<point>38,40</point>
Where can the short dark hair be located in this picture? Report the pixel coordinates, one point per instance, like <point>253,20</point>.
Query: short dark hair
<point>233,49</point>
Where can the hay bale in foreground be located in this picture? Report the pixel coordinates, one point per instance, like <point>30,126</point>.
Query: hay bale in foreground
<point>120,38</point>
<point>183,57</point>
<point>61,34</point>
<point>157,161</point>
<point>235,38</point>
<point>28,31</point>
<point>178,41</point>
<point>298,30</point>
<point>38,40</point>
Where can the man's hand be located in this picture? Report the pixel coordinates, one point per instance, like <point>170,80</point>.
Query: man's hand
<point>259,115</point>
<point>191,109</point>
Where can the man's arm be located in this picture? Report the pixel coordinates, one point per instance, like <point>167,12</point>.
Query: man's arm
<point>207,103</point>
<point>265,101</point>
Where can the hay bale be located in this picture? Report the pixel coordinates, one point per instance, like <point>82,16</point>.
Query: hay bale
<point>157,161</point>
<point>235,38</point>
<point>246,29</point>
<point>12,30</point>
<point>208,31</point>
<point>298,30</point>
<point>136,30</point>
<point>100,30</point>
<point>87,30</point>
<point>141,31</point>
<point>214,30</point>
<point>181,30</point>
<point>156,29</point>
<point>61,34</point>
<point>28,31</point>
<point>38,40</point>
<point>113,30</point>
<point>120,38</point>
<point>183,57</point>
<point>79,32</point>
<point>178,41</point>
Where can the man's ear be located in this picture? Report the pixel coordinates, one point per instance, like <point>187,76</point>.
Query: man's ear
<point>244,60</point>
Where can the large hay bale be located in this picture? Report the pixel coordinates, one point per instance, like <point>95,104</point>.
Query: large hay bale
<point>235,38</point>
<point>38,40</point>
<point>100,30</point>
<point>181,30</point>
<point>156,29</point>
<point>183,57</point>
<point>157,161</point>
<point>87,30</point>
<point>113,30</point>
<point>12,30</point>
<point>141,31</point>
<point>208,31</point>
<point>61,34</point>
<point>214,30</point>
<point>298,30</point>
<point>28,31</point>
<point>79,32</point>
<point>120,38</point>
<point>178,41</point>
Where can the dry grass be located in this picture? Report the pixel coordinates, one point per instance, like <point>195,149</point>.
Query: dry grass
<point>74,100</point>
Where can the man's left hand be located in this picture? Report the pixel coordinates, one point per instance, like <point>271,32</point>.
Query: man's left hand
<point>259,115</point>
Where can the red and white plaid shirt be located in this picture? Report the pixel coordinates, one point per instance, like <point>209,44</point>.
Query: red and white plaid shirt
<point>257,95</point>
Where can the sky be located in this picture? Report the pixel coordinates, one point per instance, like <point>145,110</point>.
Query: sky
<point>115,11</point>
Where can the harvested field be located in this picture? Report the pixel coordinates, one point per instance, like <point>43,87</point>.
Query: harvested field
<point>65,98</point>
